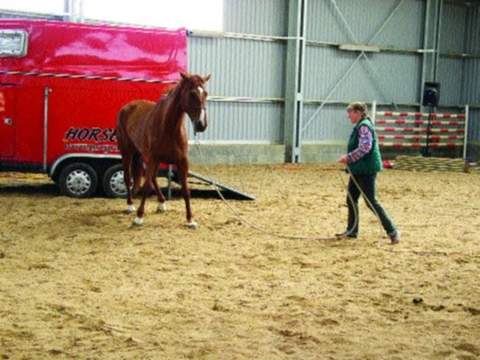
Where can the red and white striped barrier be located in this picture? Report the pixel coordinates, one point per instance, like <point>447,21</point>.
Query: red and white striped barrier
<point>419,145</point>
<point>420,115</point>
<point>417,137</point>
<point>418,122</point>
<point>415,129</point>
<point>411,129</point>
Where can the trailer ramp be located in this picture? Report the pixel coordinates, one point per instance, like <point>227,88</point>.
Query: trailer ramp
<point>237,193</point>
<point>171,175</point>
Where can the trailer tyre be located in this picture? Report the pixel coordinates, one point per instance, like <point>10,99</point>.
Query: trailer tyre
<point>113,183</point>
<point>78,180</point>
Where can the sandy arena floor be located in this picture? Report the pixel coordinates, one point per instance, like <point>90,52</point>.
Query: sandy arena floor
<point>257,280</point>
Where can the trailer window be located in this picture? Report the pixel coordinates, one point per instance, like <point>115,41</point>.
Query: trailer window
<point>13,43</point>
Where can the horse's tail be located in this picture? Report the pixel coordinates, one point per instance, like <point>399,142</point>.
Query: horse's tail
<point>131,157</point>
<point>138,171</point>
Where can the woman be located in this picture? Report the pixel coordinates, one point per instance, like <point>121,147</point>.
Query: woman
<point>364,162</point>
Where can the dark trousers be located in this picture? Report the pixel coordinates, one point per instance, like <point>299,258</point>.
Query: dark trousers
<point>367,184</point>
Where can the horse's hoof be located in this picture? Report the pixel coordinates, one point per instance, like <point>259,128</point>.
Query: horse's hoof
<point>130,209</point>
<point>138,221</point>
<point>192,225</point>
<point>162,207</point>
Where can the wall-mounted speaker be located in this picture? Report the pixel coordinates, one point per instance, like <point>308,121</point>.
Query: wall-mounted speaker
<point>431,94</point>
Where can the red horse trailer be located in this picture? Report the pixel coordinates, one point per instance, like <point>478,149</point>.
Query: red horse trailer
<point>61,87</point>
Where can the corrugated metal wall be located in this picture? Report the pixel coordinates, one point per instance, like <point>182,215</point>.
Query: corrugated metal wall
<point>338,77</point>
<point>253,65</point>
<point>248,82</point>
<point>245,90</point>
<point>459,65</point>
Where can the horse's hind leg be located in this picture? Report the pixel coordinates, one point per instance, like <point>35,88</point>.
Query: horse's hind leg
<point>127,150</point>
<point>127,178</point>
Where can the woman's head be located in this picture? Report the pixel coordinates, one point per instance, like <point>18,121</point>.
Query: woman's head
<point>358,106</point>
<point>357,111</point>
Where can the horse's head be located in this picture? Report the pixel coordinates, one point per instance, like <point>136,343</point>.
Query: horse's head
<point>194,99</point>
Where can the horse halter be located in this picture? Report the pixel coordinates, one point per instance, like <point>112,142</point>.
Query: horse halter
<point>194,100</point>
<point>200,121</point>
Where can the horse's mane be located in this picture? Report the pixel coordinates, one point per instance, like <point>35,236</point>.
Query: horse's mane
<point>169,94</point>
<point>167,100</point>
<point>174,91</point>
<point>195,79</point>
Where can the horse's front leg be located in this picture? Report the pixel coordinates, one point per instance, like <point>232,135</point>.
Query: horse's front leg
<point>182,175</point>
<point>146,189</point>
<point>162,204</point>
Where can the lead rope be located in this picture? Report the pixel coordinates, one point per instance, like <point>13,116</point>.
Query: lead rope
<point>379,243</point>
<point>292,237</point>
<point>251,224</point>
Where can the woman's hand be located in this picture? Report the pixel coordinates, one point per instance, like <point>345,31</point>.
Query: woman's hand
<point>342,159</point>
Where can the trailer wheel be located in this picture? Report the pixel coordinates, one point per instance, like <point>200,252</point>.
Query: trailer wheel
<point>78,180</point>
<point>113,183</point>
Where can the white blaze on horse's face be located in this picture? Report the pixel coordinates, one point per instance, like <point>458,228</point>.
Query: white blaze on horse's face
<point>203,114</point>
<point>200,123</point>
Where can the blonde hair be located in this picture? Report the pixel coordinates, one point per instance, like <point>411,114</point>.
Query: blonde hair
<point>361,107</point>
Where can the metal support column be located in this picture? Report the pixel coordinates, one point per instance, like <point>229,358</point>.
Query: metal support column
<point>431,43</point>
<point>74,10</point>
<point>294,80</point>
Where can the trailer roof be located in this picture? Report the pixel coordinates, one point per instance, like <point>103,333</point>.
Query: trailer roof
<point>75,49</point>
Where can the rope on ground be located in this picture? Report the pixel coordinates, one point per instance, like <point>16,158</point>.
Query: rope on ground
<point>392,248</point>
<point>379,243</point>
<point>253,225</point>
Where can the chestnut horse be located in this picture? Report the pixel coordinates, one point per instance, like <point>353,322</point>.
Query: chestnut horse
<point>149,134</point>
